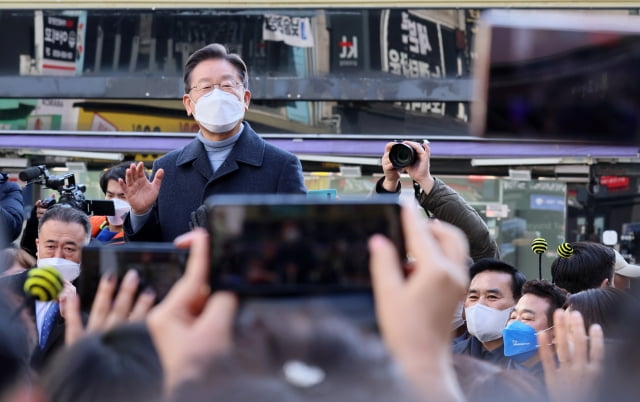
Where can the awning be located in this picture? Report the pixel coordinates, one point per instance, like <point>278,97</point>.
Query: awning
<point>320,144</point>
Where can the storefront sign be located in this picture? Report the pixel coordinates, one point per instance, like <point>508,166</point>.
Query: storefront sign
<point>294,31</point>
<point>417,48</point>
<point>60,42</point>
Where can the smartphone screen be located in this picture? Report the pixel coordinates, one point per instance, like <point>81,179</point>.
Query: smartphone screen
<point>159,266</point>
<point>293,245</point>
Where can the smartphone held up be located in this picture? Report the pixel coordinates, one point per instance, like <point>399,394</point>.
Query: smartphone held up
<point>263,246</point>
<point>294,245</point>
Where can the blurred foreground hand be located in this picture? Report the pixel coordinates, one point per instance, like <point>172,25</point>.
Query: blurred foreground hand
<point>414,313</point>
<point>190,327</point>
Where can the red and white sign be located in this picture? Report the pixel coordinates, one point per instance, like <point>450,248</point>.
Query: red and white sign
<point>60,42</point>
<point>615,182</point>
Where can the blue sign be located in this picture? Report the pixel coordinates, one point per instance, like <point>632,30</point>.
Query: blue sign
<point>547,202</point>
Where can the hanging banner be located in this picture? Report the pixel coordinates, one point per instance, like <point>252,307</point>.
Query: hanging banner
<point>416,47</point>
<point>346,43</point>
<point>294,31</point>
<point>60,42</point>
<point>412,46</point>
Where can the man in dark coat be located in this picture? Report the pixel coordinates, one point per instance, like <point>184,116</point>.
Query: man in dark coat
<point>62,233</point>
<point>226,157</point>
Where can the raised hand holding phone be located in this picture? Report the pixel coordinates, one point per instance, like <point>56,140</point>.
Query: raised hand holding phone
<point>414,313</point>
<point>190,327</point>
<point>110,308</point>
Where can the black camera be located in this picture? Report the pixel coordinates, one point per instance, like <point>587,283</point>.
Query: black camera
<point>71,194</point>
<point>402,155</point>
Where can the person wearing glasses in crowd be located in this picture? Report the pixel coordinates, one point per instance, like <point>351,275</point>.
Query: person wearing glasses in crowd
<point>226,157</point>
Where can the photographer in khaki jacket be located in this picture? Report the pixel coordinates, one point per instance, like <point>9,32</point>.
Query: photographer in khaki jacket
<point>438,199</point>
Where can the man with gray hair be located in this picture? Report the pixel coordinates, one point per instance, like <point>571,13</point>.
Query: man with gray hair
<point>62,233</point>
<point>226,157</point>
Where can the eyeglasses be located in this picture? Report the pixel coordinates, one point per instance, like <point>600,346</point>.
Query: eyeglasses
<point>227,86</point>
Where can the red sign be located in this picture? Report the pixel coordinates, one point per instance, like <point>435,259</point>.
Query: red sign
<point>615,182</point>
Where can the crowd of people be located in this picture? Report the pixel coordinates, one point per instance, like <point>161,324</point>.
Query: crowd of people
<point>460,324</point>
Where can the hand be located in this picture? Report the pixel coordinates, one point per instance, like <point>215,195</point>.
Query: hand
<point>141,193</point>
<point>391,174</point>
<point>580,359</point>
<point>419,171</point>
<point>415,313</point>
<point>68,290</point>
<point>105,312</point>
<point>190,328</point>
<point>40,210</point>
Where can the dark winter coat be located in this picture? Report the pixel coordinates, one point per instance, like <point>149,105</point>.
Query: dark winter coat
<point>253,167</point>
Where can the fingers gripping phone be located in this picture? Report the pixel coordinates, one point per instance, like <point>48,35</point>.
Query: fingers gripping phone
<point>159,266</point>
<point>262,246</point>
<point>294,245</point>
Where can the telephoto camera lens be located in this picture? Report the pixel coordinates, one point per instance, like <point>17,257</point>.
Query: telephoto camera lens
<point>402,155</point>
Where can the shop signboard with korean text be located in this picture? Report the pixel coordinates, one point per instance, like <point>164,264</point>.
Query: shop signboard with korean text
<point>59,42</point>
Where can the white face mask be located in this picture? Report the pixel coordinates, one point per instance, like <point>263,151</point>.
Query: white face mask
<point>122,209</point>
<point>68,269</point>
<point>486,323</point>
<point>218,111</point>
<point>457,317</point>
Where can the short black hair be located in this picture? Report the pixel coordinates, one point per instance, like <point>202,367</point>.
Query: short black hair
<point>589,265</point>
<point>493,264</point>
<point>214,51</point>
<point>113,173</point>
<point>67,214</point>
<point>555,296</point>
<point>604,306</point>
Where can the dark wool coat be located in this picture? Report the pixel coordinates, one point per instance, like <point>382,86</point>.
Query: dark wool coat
<point>253,167</point>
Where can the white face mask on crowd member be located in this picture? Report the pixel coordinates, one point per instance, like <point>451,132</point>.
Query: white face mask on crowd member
<point>60,243</point>
<point>122,209</point>
<point>219,111</point>
<point>68,269</point>
<point>486,323</point>
<point>457,317</point>
<point>489,304</point>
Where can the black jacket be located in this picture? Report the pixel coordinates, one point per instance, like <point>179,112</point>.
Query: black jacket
<point>55,341</point>
<point>473,347</point>
<point>252,167</point>
<point>11,211</point>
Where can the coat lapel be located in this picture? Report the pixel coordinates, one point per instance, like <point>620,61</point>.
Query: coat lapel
<point>55,341</point>
<point>195,154</point>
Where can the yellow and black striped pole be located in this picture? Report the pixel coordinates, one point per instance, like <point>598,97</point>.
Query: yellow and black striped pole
<point>539,246</point>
